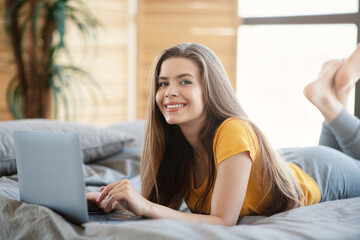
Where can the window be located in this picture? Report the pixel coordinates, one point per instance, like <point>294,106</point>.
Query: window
<point>263,8</point>
<point>279,55</point>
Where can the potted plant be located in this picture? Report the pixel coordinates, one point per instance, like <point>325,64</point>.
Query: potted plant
<point>36,30</point>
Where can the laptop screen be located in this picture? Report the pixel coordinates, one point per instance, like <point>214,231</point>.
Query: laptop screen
<point>50,172</point>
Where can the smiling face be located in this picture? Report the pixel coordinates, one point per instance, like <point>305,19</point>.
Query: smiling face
<point>179,95</point>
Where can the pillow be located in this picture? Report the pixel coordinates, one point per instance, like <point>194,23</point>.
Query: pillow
<point>96,142</point>
<point>136,130</point>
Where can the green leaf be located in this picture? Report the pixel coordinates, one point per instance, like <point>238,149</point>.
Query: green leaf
<point>75,93</point>
<point>55,93</point>
<point>69,82</point>
<point>22,31</point>
<point>65,90</point>
<point>13,9</point>
<point>60,17</point>
<point>18,110</point>
<point>36,17</point>
<point>14,98</point>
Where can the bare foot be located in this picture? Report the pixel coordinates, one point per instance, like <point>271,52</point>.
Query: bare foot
<point>322,88</point>
<point>321,92</point>
<point>347,76</point>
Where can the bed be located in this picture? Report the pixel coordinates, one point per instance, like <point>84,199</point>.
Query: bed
<point>113,152</point>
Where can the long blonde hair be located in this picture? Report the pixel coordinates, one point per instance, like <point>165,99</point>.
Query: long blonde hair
<point>167,157</point>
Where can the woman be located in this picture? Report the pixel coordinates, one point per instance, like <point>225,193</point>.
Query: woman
<point>201,146</point>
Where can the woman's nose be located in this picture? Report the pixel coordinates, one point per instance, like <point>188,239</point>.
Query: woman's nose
<point>171,91</point>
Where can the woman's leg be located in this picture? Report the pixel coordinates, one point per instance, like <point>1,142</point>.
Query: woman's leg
<point>345,126</point>
<point>327,137</point>
<point>336,174</point>
<point>346,129</point>
<point>329,93</point>
<point>347,76</point>
<point>321,93</point>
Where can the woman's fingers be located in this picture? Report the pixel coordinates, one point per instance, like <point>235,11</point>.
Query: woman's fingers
<point>117,196</point>
<point>92,196</point>
<point>105,191</point>
<point>93,205</point>
<point>111,194</point>
<point>111,202</point>
<point>121,193</point>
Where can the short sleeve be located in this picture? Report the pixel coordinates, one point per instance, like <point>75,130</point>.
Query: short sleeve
<point>233,137</point>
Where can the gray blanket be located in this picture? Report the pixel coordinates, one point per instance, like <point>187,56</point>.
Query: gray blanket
<point>330,220</point>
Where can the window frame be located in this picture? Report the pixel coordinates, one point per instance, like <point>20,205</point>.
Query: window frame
<point>344,18</point>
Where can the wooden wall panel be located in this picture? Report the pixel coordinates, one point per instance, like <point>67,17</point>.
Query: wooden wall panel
<point>162,23</point>
<point>6,68</point>
<point>108,64</point>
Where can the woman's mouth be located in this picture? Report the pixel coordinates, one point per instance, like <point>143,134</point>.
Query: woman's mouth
<point>174,107</point>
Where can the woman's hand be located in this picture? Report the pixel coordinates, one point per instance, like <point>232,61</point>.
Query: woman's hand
<point>122,192</point>
<point>93,205</point>
<point>92,196</point>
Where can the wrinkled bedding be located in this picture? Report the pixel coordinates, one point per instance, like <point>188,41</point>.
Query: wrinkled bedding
<point>330,220</point>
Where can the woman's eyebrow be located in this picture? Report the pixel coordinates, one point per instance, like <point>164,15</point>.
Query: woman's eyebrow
<point>185,75</point>
<point>162,78</point>
<point>178,76</point>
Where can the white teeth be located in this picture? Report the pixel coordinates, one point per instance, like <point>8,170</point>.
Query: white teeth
<point>175,106</point>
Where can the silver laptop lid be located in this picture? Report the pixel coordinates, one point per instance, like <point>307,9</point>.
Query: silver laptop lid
<point>50,172</point>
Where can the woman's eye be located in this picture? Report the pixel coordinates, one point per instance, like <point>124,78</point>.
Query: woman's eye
<point>163,84</point>
<point>185,82</point>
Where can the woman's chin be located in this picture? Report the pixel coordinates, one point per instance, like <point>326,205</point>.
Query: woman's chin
<point>171,121</point>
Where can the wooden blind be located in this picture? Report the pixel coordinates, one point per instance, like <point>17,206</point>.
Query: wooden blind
<point>161,23</point>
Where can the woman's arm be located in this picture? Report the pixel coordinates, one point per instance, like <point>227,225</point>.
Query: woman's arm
<point>228,195</point>
<point>230,187</point>
<point>227,199</point>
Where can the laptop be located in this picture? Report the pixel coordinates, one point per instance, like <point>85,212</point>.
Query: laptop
<point>50,174</point>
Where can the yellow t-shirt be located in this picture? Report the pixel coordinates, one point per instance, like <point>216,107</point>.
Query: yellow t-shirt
<point>233,137</point>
